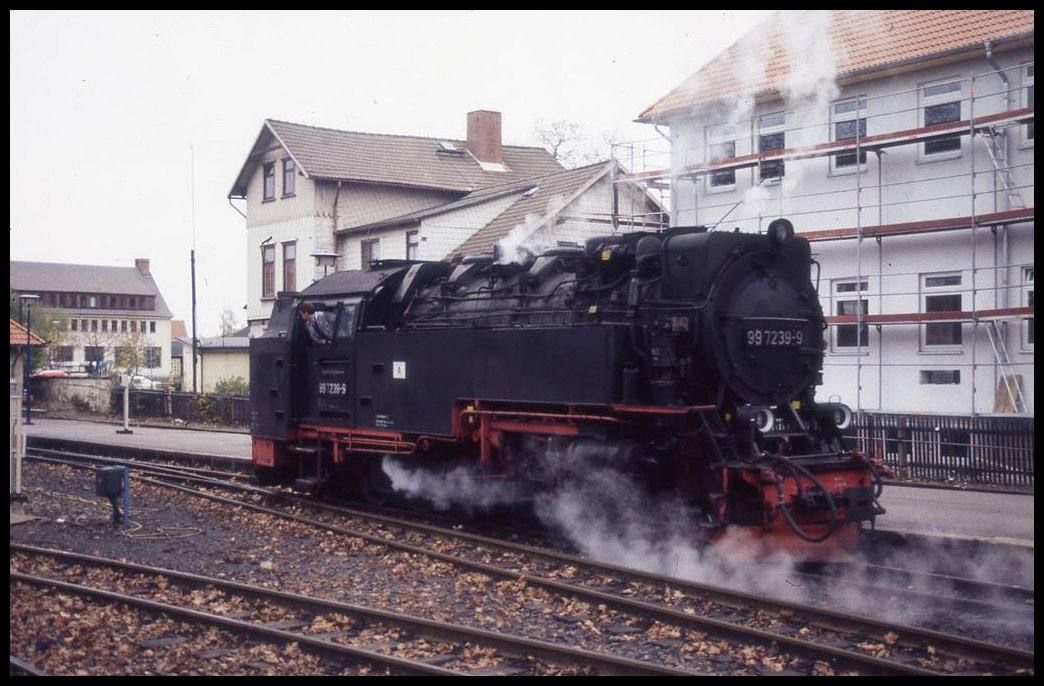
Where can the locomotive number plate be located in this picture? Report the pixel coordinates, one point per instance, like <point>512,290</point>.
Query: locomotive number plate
<point>333,388</point>
<point>773,337</point>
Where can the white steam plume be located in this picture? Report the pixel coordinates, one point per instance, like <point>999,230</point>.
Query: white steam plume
<point>448,489</point>
<point>525,239</point>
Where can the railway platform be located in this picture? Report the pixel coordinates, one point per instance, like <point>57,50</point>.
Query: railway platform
<point>973,515</point>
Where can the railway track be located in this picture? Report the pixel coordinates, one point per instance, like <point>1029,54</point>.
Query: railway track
<point>641,600</point>
<point>942,601</point>
<point>391,641</point>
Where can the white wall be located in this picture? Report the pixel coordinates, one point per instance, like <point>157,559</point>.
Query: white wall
<point>903,185</point>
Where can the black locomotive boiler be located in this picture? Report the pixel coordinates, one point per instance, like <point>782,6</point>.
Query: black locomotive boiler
<point>686,359</point>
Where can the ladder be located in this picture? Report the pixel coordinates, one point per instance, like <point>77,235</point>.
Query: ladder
<point>1010,382</point>
<point>993,138</point>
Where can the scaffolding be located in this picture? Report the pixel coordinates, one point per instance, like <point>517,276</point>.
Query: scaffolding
<point>981,177</point>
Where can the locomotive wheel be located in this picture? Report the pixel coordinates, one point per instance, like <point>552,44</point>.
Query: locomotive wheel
<point>374,485</point>
<point>271,476</point>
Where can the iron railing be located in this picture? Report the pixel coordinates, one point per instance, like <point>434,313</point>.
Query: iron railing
<point>223,410</point>
<point>955,449</point>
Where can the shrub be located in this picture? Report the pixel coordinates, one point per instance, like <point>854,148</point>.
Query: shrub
<point>236,385</point>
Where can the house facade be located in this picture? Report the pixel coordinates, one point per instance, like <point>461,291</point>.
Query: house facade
<point>218,358</point>
<point>900,143</point>
<point>563,208</point>
<point>307,189</point>
<point>98,318</point>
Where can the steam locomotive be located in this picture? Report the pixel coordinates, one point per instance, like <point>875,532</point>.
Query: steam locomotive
<point>685,359</point>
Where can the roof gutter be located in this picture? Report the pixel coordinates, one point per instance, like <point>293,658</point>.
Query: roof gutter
<point>992,61</point>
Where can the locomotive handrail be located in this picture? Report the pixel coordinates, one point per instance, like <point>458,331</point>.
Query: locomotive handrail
<point>663,409</point>
<point>544,415</point>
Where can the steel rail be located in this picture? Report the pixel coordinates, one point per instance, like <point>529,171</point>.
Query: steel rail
<point>514,646</point>
<point>909,637</point>
<point>639,608</point>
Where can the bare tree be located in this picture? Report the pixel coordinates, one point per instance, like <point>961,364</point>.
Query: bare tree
<point>569,144</point>
<point>134,352</point>
<point>228,321</point>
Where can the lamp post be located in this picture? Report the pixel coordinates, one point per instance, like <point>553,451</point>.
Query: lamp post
<point>28,299</point>
<point>325,260</point>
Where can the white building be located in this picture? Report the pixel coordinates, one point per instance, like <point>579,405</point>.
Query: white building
<point>99,318</point>
<point>900,142</point>
<point>218,358</point>
<point>308,189</point>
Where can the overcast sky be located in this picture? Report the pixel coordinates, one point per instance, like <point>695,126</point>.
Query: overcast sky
<point>128,128</point>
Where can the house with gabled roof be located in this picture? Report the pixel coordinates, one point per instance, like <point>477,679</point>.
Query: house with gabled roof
<point>99,317</point>
<point>563,208</point>
<point>901,144</point>
<point>305,187</point>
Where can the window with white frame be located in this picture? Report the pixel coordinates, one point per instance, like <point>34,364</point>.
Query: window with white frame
<point>412,245</point>
<point>941,293</point>
<point>721,145</point>
<point>848,119</point>
<point>371,252</point>
<point>941,104</point>
<point>289,177</point>
<point>268,272</point>
<point>941,377</point>
<point>290,266</point>
<point>1027,101</point>
<point>771,137</point>
<point>1027,301</point>
<point>268,174</point>
<point>849,299</point>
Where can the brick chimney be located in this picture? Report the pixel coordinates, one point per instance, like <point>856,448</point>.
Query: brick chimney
<point>484,136</point>
<point>143,266</point>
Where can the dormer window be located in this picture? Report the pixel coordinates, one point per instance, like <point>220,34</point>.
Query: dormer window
<point>449,148</point>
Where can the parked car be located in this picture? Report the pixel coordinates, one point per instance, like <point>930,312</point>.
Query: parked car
<point>142,383</point>
<point>49,374</point>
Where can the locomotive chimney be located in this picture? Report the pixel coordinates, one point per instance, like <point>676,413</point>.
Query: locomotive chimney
<point>484,136</point>
<point>143,266</point>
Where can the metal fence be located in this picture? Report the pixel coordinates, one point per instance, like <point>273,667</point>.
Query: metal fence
<point>982,450</point>
<point>226,410</point>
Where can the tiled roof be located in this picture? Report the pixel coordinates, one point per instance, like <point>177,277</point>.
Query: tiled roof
<point>469,200</point>
<point>18,335</point>
<point>554,192</point>
<point>860,41</point>
<point>50,277</point>
<point>387,159</point>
